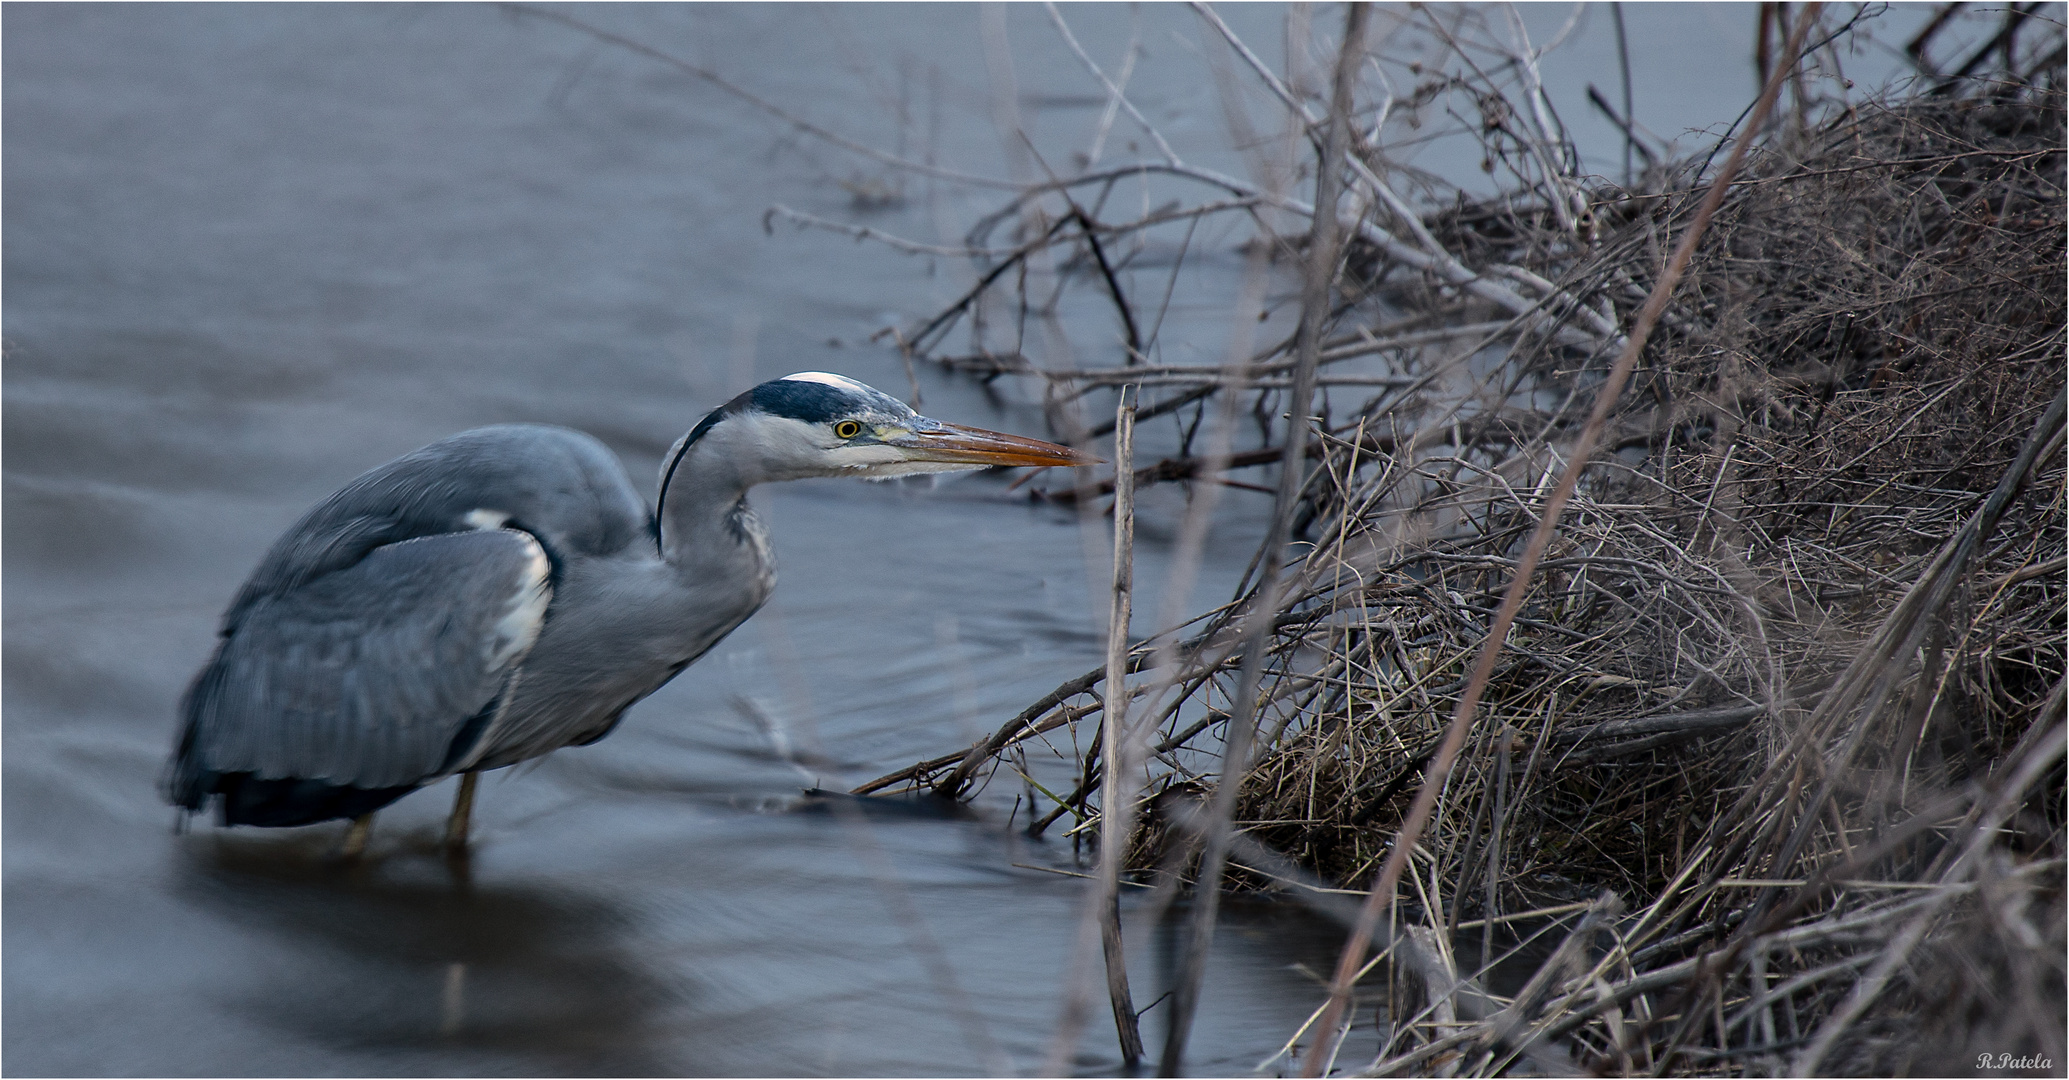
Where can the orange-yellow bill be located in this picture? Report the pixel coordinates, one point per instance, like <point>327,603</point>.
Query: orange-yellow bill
<point>957,444</point>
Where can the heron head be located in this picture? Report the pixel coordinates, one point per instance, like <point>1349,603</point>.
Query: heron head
<point>816,424</point>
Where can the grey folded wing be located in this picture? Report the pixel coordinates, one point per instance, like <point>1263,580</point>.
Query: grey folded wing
<point>376,674</point>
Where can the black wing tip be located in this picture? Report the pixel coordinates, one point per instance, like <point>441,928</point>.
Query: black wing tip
<point>248,799</point>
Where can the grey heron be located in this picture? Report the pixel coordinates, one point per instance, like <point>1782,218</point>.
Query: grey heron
<point>505,592</point>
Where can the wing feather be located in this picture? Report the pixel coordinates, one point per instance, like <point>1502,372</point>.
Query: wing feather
<point>365,675</point>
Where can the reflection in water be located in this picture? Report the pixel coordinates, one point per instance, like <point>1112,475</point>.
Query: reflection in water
<point>403,950</point>
<point>919,807</point>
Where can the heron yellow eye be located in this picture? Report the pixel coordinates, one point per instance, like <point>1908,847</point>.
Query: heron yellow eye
<point>847,429</point>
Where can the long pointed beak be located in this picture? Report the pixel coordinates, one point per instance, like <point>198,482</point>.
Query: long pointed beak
<point>954,443</point>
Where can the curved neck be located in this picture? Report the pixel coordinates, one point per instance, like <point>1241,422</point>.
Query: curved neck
<point>698,507</point>
<point>705,525</point>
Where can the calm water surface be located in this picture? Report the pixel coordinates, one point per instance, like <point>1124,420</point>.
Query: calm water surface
<point>251,251</point>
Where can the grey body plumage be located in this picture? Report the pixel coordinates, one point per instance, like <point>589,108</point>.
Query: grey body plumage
<point>505,592</point>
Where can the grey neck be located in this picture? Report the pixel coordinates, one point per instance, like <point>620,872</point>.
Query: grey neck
<point>707,531</point>
<point>699,506</point>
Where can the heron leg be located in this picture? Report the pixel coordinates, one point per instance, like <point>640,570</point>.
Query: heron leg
<point>355,837</point>
<point>463,813</point>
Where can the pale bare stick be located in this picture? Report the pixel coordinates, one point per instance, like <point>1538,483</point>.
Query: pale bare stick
<point>1541,147</point>
<point>1117,820</point>
<point>1101,916</point>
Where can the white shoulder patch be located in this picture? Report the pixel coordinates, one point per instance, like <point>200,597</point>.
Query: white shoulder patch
<point>829,379</point>
<point>485,519</point>
<point>518,629</point>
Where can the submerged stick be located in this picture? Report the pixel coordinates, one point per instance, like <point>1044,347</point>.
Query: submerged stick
<point>1419,813</point>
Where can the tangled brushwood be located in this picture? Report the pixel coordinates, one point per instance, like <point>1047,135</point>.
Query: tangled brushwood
<point>1770,774</point>
<point>1869,350</point>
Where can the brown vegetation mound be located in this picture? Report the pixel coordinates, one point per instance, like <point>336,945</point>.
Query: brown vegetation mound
<point>1869,349</point>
